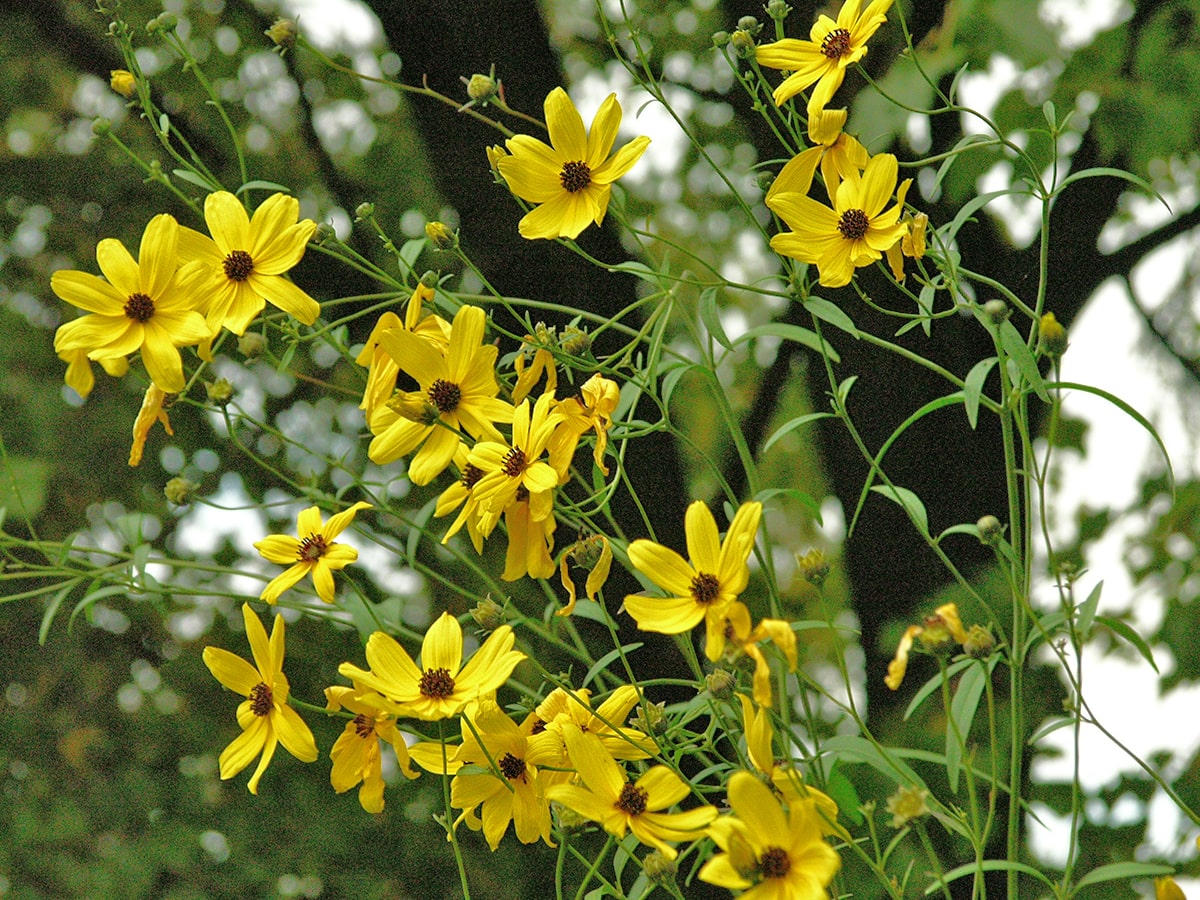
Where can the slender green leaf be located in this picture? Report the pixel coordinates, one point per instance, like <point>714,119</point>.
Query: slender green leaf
<point>973,387</point>
<point>1106,172</point>
<point>932,685</point>
<point>1019,353</point>
<point>1048,727</point>
<point>1129,411</point>
<point>603,662</point>
<point>711,317</point>
<point>52,608</point>
<point>1123,871</point>
<point>1124,630</point>
<point>803,336</point>
<point>909,501</point>
<point>962,715</point>
<point>851,748</point>
<point>791,425</point>
<point>987,865</point>
<point>94,597</point>
<point>828,311</point>
<point>811,505</point>
<point>843,389</point>
<point>193,178</point>
<point>1087,610</point>
<point>259,185</point>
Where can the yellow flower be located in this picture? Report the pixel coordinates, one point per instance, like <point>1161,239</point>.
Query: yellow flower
<point>442,685</point>
<point>246,258</point>
<point>356,755</point>
<point>592,409</point>
<point>79,376</point>
<point>854,233</point>
<point>908,803</point>
<point>508,789</point>
<point>123,82</point>
<point>142,306</point>
<point>911,245</point>
<point>561,709</point>
<point>265,716</point>
<point>382,370</point>
<point>936,634</point>
<point>840,153</point>
<point>769,854</point>
<point>538,344</point>
<point>570,180</point>
<point>705,588</point>
<point>585,555</point>
<point>460,384</point>
<point>508,470</point>
<point>530,540</point>
<point>823,58</point>
<point>460,493</point>
<point>154,409</point>
<point>619,806</point>
<point>313,551</point>
<point>746,640</point>
<point>1165,888</point>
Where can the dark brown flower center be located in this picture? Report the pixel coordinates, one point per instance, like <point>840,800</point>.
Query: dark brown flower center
<point>774,863</point>
<point>436,683</point>
<point>853,224</point>
<point>514,463</point>
<point>632,800</point>
<point>364,726</point>
<point>537,727</point>
<point>705,588</point>
<point>261,699</point>
<point>311,548</point>
<point>836,43</point>
<point>575,176</point>
<point>445,395</point>
<point>470,476</point>
<point>139,307</point>
<point>238,265</point>
<point>512,768</point>
<point>522,493</point>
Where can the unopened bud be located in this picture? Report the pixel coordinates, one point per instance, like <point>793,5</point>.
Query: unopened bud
<point>814,567</point>
<point>990,530</point>
<point>652,719</point>
<point>488,614</point>
<point>996,310</point>
<point>575,341</point>
<point>720,683</point>
<point>325,233</point>
<point>441,236</point>
<point>123,82</point>
<point>364,211</point>
<point>720,39</point>
<point>750,25</point>
<point>482,88</point>
<point>778,10</point>
<point>283,33</point>
<point>101,126</point>
<point>180,491</point>
<point>162,22</point>
<point>1052,337</point>
<point>979,642</point>
<point>906,804</point>
<point>252,345</point>
<point>414,406</point>
<point>659,869</point>
<point>743,43</point>
<point>220,392</point>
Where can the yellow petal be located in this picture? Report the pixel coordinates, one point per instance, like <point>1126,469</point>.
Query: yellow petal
<point>565,126</point>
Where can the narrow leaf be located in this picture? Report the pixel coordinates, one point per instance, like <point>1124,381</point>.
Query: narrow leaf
<point>1087,610</point>
<point>828,311</point>
<point>962,715</point>
<point>909,501</point>
<point>973,387</point>
<point>1019,353</point>
<point>711,317</point>
<point>791,425</point>
<point>1125,631</point>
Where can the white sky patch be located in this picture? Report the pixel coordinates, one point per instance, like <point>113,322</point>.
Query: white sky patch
<point>335,24</point>
<point>1079,21</point>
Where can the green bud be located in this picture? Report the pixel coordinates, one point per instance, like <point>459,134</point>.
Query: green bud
<point>441,236</point>
<point>778,10</point>
<point>996,310</point>
<point>180,491</point>
<point>220,392</point>
<point>743,43</point>
<point>488,614</point>
<point>652,719</point>
<point>720,683</point>
<point>325,233</point>
<point>283,33</point>
<point>575,341</point>
<point>162,22</point>
<point>720,39</point>
<point>252,345</point>
<point>979,642</point>
<point>814,567</point>
<point>482,88</point>
<point>101,126</point>
<point>1052,337</point>
<point>364,211</point>
<point>429,279</point>
<point>990,530</point>
<point>659,869</point>
<point>750,25</point>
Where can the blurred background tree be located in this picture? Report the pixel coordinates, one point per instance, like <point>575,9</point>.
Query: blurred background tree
<point>107,752</point>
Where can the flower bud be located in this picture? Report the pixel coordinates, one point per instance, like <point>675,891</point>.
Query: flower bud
<point>482,88</point>
<point>814,567</point>
<point>778,10</point>
<point>364,211</point>
<point>652,719</point>
<point>720,683</point>
<point>488,614</point>
<point>990,530</point>
<point>750,25</point>
<point>1052,337</point>
<point>283,33</point>
<point>220,392</point>
<point>743,43</point>
<point>414,406</point>
<point>906,804</point>
<point>440,236</point>
<point>996,310</point>
<point>429,279</point>
<point>575,341</point>
<point>180,491</point>
<point>162,22</point>
<point>935,635</point>
<point>101,126</point>
<point>979,643</point>
<point>720,39</point>
<point>659,869</point>
<point>325,233</point>
<point>252,345</point>
<point>123,82</point>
